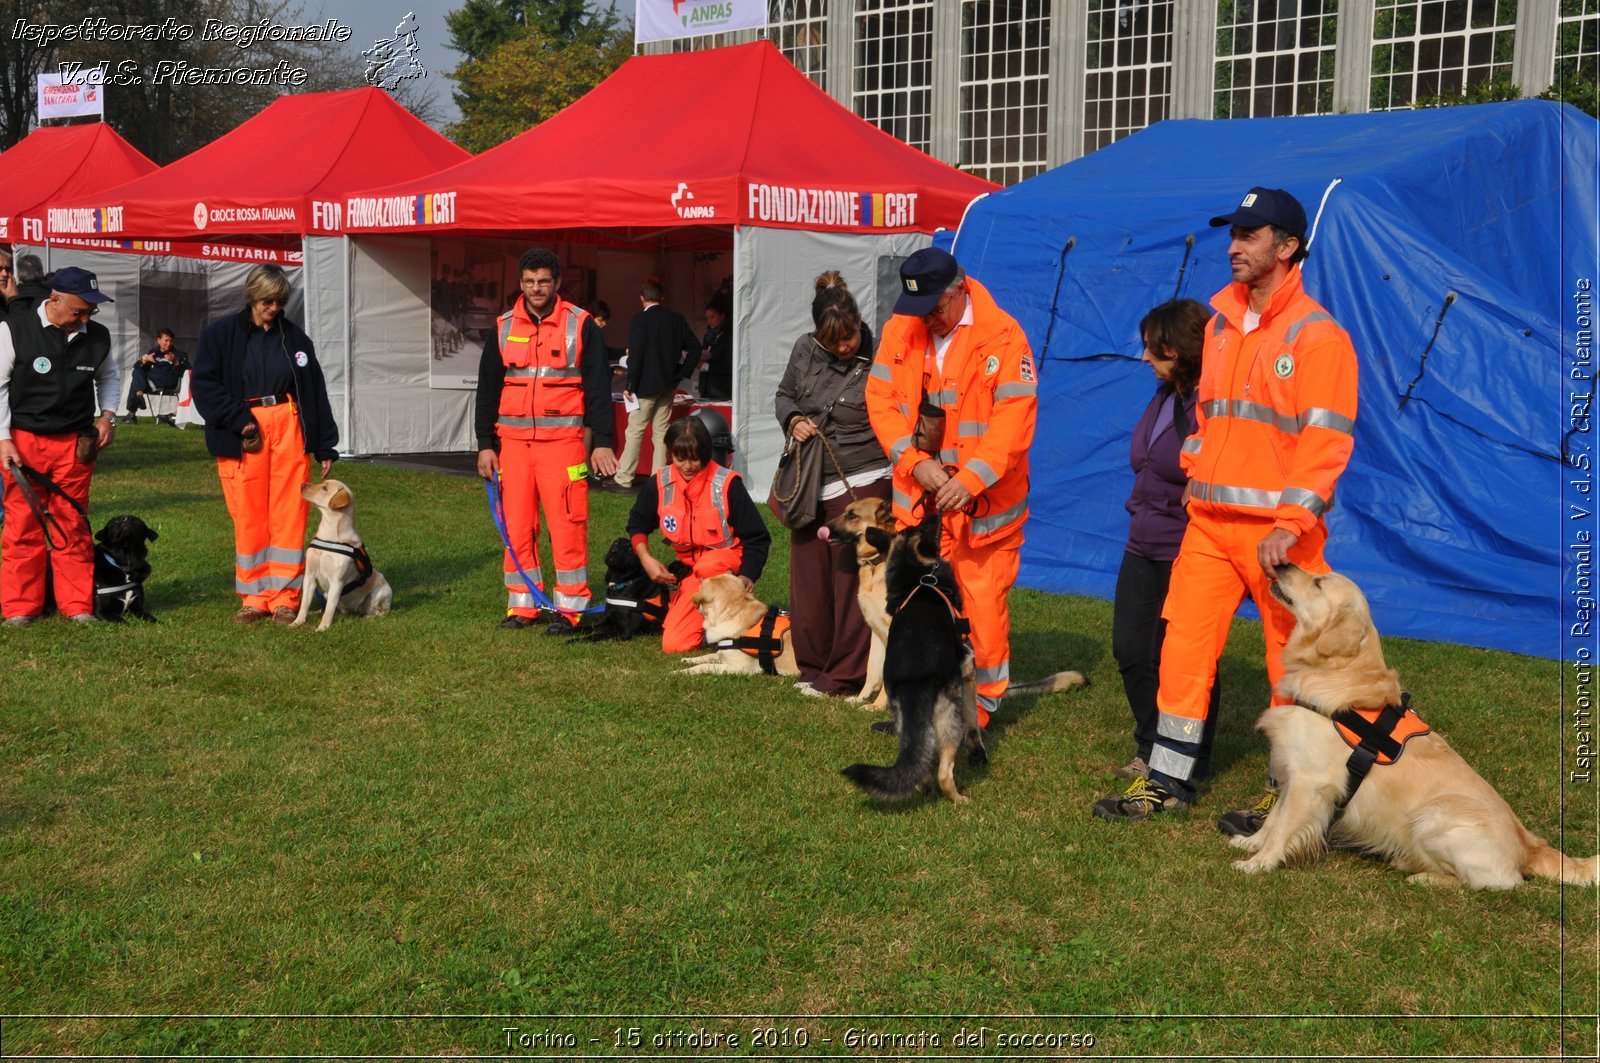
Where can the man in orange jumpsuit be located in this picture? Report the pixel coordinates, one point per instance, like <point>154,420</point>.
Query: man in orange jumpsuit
<point>951,346</point>
<point>1275,416</point>
<point>543,419</point>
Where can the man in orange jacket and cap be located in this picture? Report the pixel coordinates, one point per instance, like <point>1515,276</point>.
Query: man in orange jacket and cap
<point>950,346</point>
<point>1275,414</point>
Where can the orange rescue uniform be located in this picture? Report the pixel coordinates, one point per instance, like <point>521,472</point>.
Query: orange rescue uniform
<point>262,490</point>
<point>1275,423</point>
<point>988,390</point>
<point>694,519</point>
<point>542,457</point>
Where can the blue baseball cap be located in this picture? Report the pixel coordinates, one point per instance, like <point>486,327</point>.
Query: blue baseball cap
<point>70,280</point>
<point>923,280</point>
<point>1267,206</point>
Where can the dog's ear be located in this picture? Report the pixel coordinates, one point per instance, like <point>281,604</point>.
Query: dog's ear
<point>340,499</point>
<point>150,533</point>
<point>1343,635</point>
<point>883,514</point>
<point>877,538</point>
<point>101,535</point>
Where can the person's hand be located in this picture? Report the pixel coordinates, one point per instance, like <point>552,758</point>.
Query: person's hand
<point>1273,550</point>
<point>488,464</point>
<point>603,461</point>
<point>106,427</point>
<point>9,455</point>
<point>657,571</point>
<point>327,467</point>
<point>9,289</point>
<point>802,428</point>
<point>930,474</point>
<point>628,396</point>
<point>952,496</point>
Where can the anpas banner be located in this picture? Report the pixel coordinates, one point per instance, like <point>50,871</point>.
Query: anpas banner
<point>665,20</point>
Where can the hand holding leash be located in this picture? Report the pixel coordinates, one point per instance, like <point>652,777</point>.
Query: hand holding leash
<point>488,465</point>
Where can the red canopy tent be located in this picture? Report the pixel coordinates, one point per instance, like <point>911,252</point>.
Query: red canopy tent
<point>689,167</point>
<point>55,162</point>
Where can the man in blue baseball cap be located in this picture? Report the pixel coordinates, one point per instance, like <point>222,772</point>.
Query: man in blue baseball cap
<point>54,363</point>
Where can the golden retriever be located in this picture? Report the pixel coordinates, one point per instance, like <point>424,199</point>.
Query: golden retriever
<point>732,614</point>
<point>1427,812</point>
<point>337,563</point>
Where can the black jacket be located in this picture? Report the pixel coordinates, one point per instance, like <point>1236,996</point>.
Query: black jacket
<point>217,386</point>
<point>659,342</point>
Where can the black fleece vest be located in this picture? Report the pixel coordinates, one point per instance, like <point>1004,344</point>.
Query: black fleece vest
<point>52,382</point>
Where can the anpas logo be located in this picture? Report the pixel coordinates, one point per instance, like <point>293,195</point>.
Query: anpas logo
<point>703,17</point>
<point>200,215</point>
<point>683,203</point>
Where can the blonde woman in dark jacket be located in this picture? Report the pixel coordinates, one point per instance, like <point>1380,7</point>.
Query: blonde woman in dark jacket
<point>825,385</point>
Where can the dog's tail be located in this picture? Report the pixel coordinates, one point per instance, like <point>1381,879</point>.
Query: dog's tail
<point>1050,684</point>
<point>919,751</point>
<point>1546,861</point>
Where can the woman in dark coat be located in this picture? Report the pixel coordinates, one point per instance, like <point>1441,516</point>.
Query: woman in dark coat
<point>257,383</point>
<point>825,384</point>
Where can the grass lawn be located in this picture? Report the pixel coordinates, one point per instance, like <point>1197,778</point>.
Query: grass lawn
<point>408,836</point>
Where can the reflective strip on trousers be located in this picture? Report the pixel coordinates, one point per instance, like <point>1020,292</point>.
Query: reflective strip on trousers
<point>988,704</point>
<point>573,602</point>
<point>513,580</point>
<point>572,575</point>
<point>1179,728</point>
<point>984,525</point>
<point>281,554</point>
<point>1000,673</point>
<point>262,584</point>
<point>1172,763</point>
<point>521,600</point>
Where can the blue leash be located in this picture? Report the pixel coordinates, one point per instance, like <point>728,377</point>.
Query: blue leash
<point>498,512</point>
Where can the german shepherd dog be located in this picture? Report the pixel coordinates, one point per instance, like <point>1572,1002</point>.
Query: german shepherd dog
<point>635,603</point>
<point>121,565</point>
<point>927,671</point>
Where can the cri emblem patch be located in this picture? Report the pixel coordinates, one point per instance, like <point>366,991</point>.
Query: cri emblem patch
<point>1284,366</point>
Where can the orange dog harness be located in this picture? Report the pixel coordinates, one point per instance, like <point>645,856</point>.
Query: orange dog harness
<point>764,642</point>
<point>1376,736</point>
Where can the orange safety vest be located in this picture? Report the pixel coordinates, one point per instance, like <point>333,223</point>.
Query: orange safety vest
<point>695,521</point>
<point>1275,411</point>
<point>543,394</point>
<point>988,391</point>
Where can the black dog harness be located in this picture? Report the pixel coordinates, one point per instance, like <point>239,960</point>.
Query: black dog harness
<point>358,554</point>
<point>122,590</point>
<point>624,594</point>
<point>764,642</point>
<point>1376,736</point>
<point>930,582</point>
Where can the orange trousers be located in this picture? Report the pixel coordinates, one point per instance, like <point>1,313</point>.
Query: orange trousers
<point>985,574</point>
<point>269,513</point>
<point>556,474</point>
<point>24,558</point>
<point>683,628</point>
<point>1215,569</point>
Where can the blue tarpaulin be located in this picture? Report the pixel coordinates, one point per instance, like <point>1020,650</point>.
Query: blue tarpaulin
<point>1461,509</point>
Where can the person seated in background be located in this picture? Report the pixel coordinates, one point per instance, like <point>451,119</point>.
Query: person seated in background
<point>716,378</point>
<point>159,370</point>
<point>704,511</point>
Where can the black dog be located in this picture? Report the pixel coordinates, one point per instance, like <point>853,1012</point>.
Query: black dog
<point>635,603</point>
<point>121,566</point>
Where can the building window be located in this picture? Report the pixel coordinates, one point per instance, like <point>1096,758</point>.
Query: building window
<point>1274,57</point>
<point>1005,83</point>
<point>1127,68</point>
<point>894,68</point>
<point>1428,48</point>
<point>1578,39</point>
<point>800,30</point>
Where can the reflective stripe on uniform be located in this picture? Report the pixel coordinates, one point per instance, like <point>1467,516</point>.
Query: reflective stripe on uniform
<point>1178,728</point>
<point>1000,673</point>
<point>1317,417</point>
<point>985,525</point>
<point>972,429</point>
<point>569,601</point>
<point>980,468</point>
<point>1307,500</point>
<point>281,554</point>
<point>901,445</point>
<point>882,371</point>
<point>515,422</point>
<point>1191,445</point>
<point>943,397</point>
<point>572,575</point>
<point>262,584</point>
<point>547,422</point>
<point>1171,763</point>
<point>1016,390</point>
<point>1233,496</point>
<point>514,578</point>
<point>520,600</point>
<point>1311,318</point>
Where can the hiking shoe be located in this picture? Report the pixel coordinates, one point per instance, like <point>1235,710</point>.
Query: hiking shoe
<point>562,626</point>
<point>515,623</point>
<point>19,621</point>
<point>1136,768</point>
<point>1244,822</point>
<point>85,618</point>
<point>249,615</point>
<point>284,616</point>
<point>1142,800</point>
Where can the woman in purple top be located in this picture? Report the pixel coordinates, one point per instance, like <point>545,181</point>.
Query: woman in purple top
<point>1174,336</point>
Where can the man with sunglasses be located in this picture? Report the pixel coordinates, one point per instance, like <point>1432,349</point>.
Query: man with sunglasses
<point>953,399</point>
<point>54,363</point>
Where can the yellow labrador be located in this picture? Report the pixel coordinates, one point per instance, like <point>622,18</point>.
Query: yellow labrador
<point>337,563</point>
<point>1426,812</point>
<point>744,635</point>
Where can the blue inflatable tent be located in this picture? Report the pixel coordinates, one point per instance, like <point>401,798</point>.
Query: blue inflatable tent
<point>1458,248</point>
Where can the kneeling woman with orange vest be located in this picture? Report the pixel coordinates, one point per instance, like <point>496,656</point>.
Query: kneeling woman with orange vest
<point>704,511</point>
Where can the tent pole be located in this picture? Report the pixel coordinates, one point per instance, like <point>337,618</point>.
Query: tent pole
<point>349,359</point>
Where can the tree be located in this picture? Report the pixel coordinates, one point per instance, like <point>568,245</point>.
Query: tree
<point>525,62</point>
<point>527,80</point>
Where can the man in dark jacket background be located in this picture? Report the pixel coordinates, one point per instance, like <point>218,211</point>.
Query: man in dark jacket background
<point>661,350</point>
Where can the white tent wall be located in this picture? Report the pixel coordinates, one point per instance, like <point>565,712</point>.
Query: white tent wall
<point>155,291</point>
<point>774,275</point>
<point>392,408</point>
<point>325,289</point>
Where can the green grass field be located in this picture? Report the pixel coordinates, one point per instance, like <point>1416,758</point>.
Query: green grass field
<point>409,836</point>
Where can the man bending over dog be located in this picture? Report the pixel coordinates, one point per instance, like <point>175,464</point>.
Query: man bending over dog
<point>1276,414</point>
<point>704,511</point>
<point>950,345</point>
<point>543,417</point>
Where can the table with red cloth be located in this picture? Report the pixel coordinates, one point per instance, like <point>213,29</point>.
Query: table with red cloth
<point>682,407</point>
